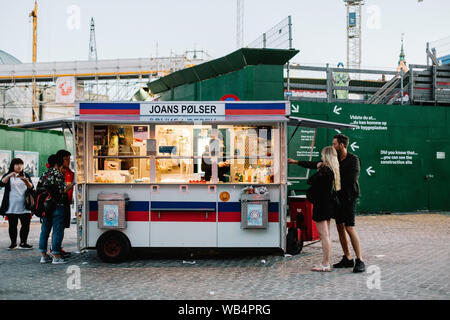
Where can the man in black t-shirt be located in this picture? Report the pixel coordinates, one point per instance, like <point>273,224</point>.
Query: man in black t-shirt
<point>349,168</point>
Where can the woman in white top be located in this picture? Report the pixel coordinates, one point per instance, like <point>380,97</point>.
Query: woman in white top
<point>16,182</point>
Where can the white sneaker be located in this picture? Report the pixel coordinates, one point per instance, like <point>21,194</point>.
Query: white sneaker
<point>58,260</point>
<point>46,259</point>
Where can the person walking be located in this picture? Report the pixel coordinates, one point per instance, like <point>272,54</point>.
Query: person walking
<point>323,183</point>
<point>16,183</point>
<point>55,184</point>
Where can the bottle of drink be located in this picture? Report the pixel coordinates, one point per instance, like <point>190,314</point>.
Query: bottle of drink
<point>272,179</point>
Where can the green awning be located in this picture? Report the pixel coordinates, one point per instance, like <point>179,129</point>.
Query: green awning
<point>229,63</point>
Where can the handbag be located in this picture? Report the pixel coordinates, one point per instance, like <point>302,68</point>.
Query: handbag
<point>30,198</point>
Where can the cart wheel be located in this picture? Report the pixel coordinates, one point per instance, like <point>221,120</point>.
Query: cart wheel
<point>113,246</point>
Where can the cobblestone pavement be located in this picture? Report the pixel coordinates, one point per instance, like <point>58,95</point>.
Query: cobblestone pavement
<point>412,253</point>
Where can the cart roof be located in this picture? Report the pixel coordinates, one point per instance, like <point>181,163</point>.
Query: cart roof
<point>183,112</point>
<point>313,123</point>
<point>142,120</point>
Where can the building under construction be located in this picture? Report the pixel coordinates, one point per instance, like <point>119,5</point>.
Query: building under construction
<point>401,114</point>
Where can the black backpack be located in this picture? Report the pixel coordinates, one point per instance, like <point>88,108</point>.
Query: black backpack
<point>44,204</point>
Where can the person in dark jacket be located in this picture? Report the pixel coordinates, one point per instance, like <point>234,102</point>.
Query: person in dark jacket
<point>323,183</point>
<point>350,166</point>
<point>223,167</point>
<point>16,182</point>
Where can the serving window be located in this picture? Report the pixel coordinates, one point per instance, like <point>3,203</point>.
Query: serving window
<point>185,154</point>
<point>120,154</point>
<point>249,153</point>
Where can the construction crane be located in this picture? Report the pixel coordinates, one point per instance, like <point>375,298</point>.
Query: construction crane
<point>92,43</point>
<point>354,33</point>
<point>240,24</point>
<point>33,14</point>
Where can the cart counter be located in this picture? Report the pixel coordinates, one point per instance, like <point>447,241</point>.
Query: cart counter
<point>186,216</point>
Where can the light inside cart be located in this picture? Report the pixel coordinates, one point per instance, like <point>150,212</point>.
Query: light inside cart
<point>120,153</point>
<point>183,153</point>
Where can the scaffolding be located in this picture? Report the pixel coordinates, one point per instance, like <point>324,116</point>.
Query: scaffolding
<point>354,19</point>
<point>96,80</point>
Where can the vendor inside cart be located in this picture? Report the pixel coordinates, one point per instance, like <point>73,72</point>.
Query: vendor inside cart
<point>223,167</point>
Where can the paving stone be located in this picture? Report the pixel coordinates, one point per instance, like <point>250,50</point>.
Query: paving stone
<point>412,253</point>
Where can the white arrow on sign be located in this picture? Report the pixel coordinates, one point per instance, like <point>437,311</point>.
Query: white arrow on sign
<point>370,171</point>
<point>295,108</point>
<point>338,131</point>
<point>354,146</point>
<point>337,109</point>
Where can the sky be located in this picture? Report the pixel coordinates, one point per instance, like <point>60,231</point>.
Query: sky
<point>139,28</point>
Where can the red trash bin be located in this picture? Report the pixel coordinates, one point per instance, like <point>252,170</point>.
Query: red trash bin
<point>300,205</point>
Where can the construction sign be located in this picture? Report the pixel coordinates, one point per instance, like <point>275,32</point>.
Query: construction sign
<point>65,90</point>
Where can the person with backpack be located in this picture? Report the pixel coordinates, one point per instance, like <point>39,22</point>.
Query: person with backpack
<point>16,183</point>
<point>54,183</point>
<point>69,177</point>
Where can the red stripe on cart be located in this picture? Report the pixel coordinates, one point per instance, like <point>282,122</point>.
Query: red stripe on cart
<point>137,216</point>
<point>236,217</point>
<point>252,112</point>
<point>130,216</point>
<point>182,216</point>
<point>93,215</point>
<point>109,112</point>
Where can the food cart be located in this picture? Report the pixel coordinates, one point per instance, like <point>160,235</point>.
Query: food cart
<point>179,174</point>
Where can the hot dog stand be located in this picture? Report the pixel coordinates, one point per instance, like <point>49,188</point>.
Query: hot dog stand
<point>180,174</point>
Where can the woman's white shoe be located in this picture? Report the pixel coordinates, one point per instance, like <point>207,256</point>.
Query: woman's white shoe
<point>322,268</point>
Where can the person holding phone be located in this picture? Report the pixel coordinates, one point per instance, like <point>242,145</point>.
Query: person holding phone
<point>16,182</point>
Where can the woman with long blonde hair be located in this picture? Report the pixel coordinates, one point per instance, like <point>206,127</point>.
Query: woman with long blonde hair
<point>323,183</point>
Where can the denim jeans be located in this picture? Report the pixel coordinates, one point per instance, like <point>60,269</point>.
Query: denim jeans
<point>57,222</point>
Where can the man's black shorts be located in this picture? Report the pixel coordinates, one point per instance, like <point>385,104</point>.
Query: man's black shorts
<point>346,213</point>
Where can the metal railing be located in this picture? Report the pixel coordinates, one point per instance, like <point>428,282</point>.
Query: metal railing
<point>430,84</point>
<point>422,84</point>
<point>324,86</point>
